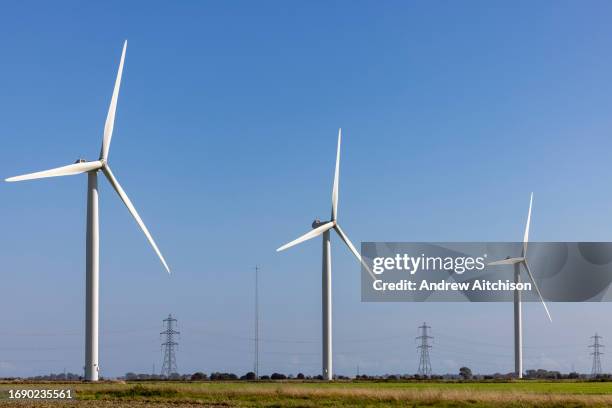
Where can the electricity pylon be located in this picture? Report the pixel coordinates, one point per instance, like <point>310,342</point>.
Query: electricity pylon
<point>169,364</point>
<point>596,370</point>
<point>423,347</point>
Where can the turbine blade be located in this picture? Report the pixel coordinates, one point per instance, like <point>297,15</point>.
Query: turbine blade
<point>352,248</point>
<point>309,235</point>
<point>111,178</point>
<point>334,213</point>
<point>69,170</point>
<point>526,236</point>
<point>524,263</point>
<point>110,117</point>
<point>509,261</point>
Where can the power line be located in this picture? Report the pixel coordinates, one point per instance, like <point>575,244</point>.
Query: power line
<point>596,369</point>
<point>424,362</point>
<point>505,346</point>
<point>169,364</point>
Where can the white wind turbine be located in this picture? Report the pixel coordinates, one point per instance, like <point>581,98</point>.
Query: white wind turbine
<point>92,240</point>
<point>518,324</point>
<point>320,227</point>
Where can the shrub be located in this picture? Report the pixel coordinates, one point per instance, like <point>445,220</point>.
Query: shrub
<point>465,373</point>
<point>199,376</point>
<point>223,376</point>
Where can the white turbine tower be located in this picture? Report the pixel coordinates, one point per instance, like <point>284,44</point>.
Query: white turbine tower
<point>320,227</point>
<point>518,324</point>
<point>92,243</point>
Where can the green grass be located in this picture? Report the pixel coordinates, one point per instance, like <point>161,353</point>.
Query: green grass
<point>512,394</point>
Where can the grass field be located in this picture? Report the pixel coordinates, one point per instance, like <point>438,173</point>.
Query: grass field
<point>318,394</point>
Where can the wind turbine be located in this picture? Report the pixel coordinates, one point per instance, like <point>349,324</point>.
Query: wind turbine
<point>92,240</point>
<point>323,228</point>
<point>518,323</point>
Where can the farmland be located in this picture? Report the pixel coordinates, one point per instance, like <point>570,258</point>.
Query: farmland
<point>318,394</point>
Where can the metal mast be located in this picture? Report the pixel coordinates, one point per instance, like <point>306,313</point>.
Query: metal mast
<point>169,363</point>
<point>92,279</point>
<point>423,347</point>
<point>596,370</point>
<point>256,323</point>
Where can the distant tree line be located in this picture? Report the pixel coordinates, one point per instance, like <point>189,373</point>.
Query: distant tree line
<point>50,377</point>
<point>156,377</point>
<point>556,375</point>
<point>464,374</point>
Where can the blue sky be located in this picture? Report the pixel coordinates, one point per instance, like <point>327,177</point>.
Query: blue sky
<point>452,113</point>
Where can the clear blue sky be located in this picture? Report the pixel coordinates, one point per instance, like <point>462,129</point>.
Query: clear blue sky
<point>452,113</point>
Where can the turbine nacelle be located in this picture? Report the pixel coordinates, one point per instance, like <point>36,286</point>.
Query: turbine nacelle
<point>317,223</point>
<point>101,163</point>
